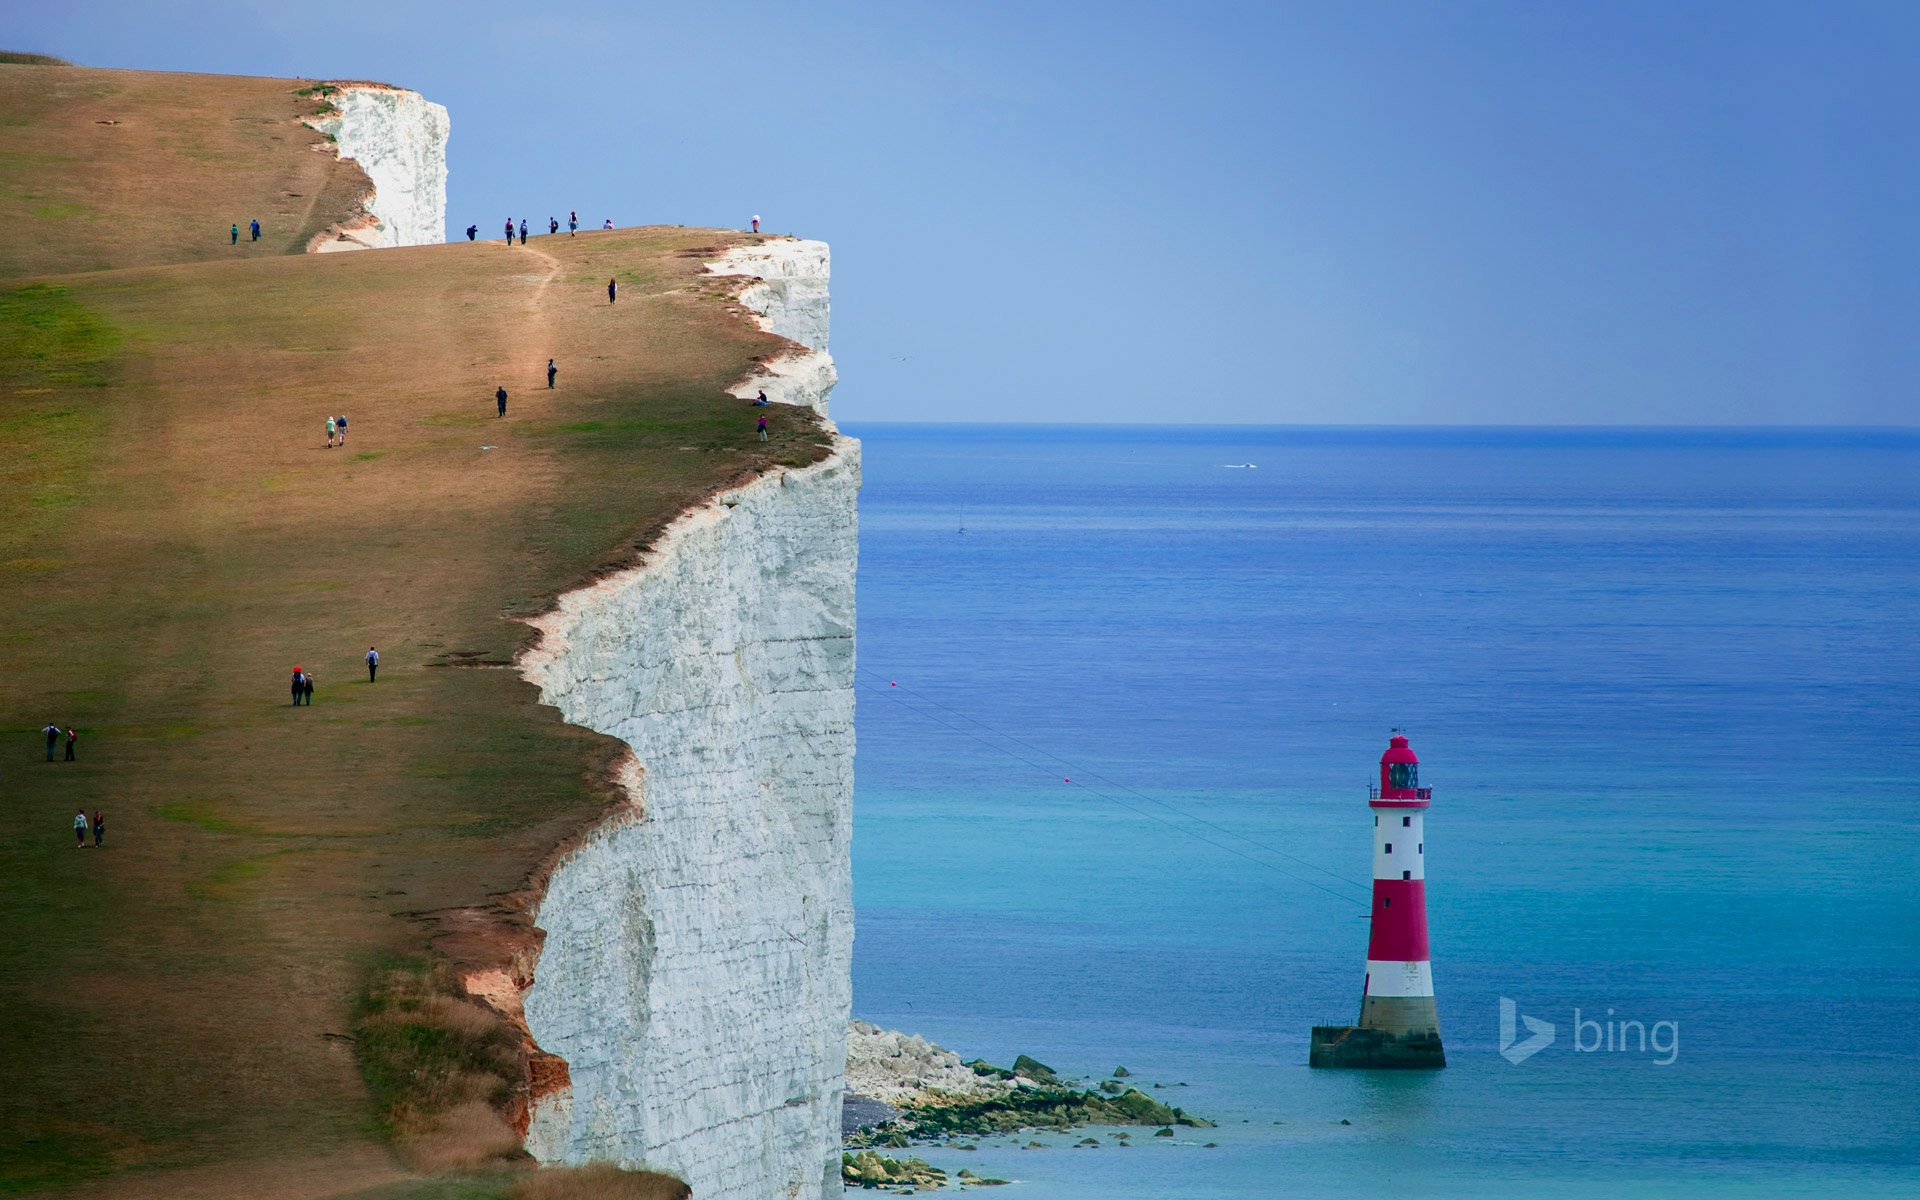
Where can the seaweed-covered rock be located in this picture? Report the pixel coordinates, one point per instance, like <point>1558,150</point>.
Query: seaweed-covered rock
<point>984,1068</point>
<point>1030,1108</point>
<point>1034,1069</point>
<point>1121,1072</point>
<point>871,1169</point>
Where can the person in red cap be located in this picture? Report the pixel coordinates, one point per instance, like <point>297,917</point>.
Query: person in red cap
<point>299,679</point>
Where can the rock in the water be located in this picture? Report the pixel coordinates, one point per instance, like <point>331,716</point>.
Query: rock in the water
<point>870,1169</point>
<point>1034,1069</point>
<point>1121,1072</point>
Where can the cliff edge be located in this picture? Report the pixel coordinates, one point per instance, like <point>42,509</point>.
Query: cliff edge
<point>399,139</point>
<point>106,170</point>
<point>695,976</point>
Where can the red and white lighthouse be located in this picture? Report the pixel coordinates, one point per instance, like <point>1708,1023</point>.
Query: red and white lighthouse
<point>1399,1025</point>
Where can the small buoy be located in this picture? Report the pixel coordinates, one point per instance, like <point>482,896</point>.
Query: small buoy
<point>893,683</point>
<point>1065,779</point>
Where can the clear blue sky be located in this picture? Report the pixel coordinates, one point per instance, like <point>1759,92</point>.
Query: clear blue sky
<point>1690,213</point>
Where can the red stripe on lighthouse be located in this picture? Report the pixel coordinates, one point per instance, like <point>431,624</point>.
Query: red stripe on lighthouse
<point>1399,925</point>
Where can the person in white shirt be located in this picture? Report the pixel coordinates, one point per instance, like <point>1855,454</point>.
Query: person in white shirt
<point>373,663</point>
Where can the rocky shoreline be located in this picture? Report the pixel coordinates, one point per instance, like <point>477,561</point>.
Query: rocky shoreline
<point>903,1091</point>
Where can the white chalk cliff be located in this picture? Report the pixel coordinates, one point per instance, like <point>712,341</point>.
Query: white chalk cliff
<point>399,138</point>
<point>789,294</point>
<point>696,973</point>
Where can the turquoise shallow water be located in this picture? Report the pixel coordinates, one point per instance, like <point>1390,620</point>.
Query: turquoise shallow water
<point>1663,685</point>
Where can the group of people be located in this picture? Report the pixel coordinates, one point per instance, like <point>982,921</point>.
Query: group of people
<point>302,688</point>
<point>253,225</point>
<point>336,428</point>
<point>553,227</point>
<point>82,827</point>
<point>53,740</point>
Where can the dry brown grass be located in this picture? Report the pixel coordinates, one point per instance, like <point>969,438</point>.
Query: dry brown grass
<point>598,1182</point>
<point>174,535</point>
<point>108,169</point>
<point>466,1137</point>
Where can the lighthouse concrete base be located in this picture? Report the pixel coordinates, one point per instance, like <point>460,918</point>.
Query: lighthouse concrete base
<point>1357,1047</point>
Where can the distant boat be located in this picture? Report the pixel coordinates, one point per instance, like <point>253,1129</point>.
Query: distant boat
<point>1241,466</point>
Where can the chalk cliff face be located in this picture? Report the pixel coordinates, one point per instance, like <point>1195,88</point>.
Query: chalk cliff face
<point>399,139</point>
<point>789,293</point>
<point>696,972</point>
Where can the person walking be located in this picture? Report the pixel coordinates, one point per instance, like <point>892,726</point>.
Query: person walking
<point>72,737</point>
<point>306,688</point>
<point>81,828</point>
<point>756,222</point>
<point>99,829</point>
<point>551,372</point>
<point>523,231</point>
<point>299,677</point>
<point>573,222</point>
<point>553,225</point>
<point>373,663</point>
<point>236,234</point>
<point>763,427</point>
<point>256,229</point>
<point>500,398</point>
<point>340,422</point>
<point>612,291</point>
<point>473,231</point>
<point>329,433</point>
<point>509,231</point>
<point>53,736</point>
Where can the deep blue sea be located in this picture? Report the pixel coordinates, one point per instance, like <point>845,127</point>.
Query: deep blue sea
<point>1666,689</point>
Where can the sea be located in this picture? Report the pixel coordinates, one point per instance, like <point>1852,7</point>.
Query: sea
<point>1121,693</point>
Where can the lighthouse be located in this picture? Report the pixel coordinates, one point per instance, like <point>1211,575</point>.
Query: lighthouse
<point>1398,1026</point>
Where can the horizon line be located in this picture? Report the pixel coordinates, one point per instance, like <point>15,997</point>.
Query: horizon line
<point>1569,427</point>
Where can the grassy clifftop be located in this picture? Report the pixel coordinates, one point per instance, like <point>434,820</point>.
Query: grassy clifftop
<point>108,169</point>
<point>174,537</point>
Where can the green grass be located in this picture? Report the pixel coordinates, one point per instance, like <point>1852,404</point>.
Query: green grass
<point>47,338</point>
